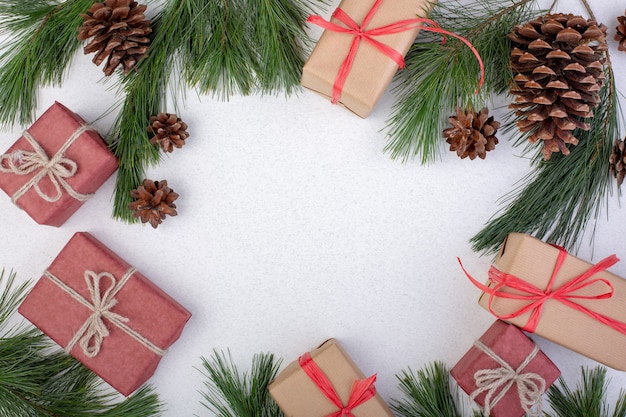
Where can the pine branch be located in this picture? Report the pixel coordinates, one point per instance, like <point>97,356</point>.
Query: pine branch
<point>231,394</point>
<point>560,197</point>
<point>38,380</point>
<point>42,42</point>
<point>588,399</point>
<point>437,78</point>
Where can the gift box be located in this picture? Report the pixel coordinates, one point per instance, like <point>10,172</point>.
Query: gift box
<point>502,364</point>
<point>105,313</point>
<point>55,166</point>
<point>336,373</point>
<point>372,70</point>
<point>542,289</point>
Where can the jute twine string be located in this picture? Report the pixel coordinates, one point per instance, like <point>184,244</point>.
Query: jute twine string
<point>57,169</point>
<point>530,386</point>
<point>91,334</point>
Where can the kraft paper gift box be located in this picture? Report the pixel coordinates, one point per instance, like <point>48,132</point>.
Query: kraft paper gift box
<point>372,70</point>
<point>298,396</point>
<point>138,321</point>
<point>55,166</point>
<point>570,323</point>
<point>502,354</point>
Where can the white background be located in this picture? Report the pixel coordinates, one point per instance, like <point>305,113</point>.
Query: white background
<point>294,227</point>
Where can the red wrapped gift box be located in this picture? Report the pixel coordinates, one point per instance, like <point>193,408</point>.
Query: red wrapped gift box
<point>501,365</point>
<point>51,192</point>
<point>135,324</point>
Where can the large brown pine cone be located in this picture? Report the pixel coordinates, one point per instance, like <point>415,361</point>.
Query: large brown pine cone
<point>558,60</point>
<point>620,36</point>
<point>472,134</point>
<point>120,33</point>
<point>153,201</point>
<point>169,131</point>
<point>617,162</point>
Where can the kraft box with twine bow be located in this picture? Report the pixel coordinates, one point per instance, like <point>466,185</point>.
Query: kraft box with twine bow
<point>542,289</point>
<point>327,383</point>
<point>505,372</point>
<point>105,313</point>
<point>55,166</point>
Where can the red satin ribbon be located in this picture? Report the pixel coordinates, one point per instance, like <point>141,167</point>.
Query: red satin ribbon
<point>565,294</point>
<point>362,390</point>
<point>360,33</point>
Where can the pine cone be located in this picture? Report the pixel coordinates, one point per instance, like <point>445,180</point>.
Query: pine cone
<point>617,162</point>
<point>558,60</point>
<point>169,131</point>
<point>119,30</point>
<point>471,134</point>
<point>153,201</point>
<point>620,36</point>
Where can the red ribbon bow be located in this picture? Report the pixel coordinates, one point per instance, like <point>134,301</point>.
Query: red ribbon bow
<point>360,33</point>
<point>565,294</point>
<point>362,390</point>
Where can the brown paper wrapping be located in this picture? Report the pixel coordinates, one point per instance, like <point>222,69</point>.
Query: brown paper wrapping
<point>298,396</point>
<point>372,70</point>
<point>96,163</point>
<point>533,261</point>
<point>123,362</point>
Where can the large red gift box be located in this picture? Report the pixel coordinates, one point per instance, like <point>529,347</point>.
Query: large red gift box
<point>105,313</point>
<point>505,372</point>
<point>55,166</point>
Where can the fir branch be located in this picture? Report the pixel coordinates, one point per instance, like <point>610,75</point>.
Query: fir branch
<point>437,77</point>
<point>37,380</point>
<point>588,399</point>
<point>42,42</point>
<point>559,198</point>
<point>231,394</point>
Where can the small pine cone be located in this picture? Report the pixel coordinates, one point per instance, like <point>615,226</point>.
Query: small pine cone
<point>472,134</point>
<point>153,201</point>
<point>617,162</point>
<point>558,60</point>
<point>169,131</point>
<point>620,36</point>
<point>120,33</point>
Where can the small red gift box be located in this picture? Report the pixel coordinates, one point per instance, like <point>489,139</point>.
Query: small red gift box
<point>105,313</point>
<point>55,166</point>
<point>505,372</point>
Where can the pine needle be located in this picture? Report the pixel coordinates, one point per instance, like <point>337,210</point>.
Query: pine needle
<point>42,42</point>
<point>437,77</point>
<point>231,394</point>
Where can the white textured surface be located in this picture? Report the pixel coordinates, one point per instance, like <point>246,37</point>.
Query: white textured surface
<point>294,226</point>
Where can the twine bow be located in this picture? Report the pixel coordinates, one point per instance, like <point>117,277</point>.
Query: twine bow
<point>361,33</point>
<point>362,390</point>
<point>530,386</point>
<point>536,297</point>
<point>93,331</point>
<point>58,168</point>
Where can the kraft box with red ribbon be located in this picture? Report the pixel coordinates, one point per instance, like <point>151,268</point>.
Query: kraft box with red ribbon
<point>505,372</point>
<point>105,313</point>
<point>327,383</point>
<point>542,289</point>
<point>55,166</point>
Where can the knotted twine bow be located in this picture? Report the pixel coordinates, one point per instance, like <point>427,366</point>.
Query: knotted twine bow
<point>530,386</point>
<point>57,169</point>
<point>536,297</point>
<point>360,33</point>
<point>91,334</point>
<point>362,390</point>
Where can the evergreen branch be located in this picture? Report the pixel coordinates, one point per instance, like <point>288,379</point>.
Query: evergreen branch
<point>437,78</point>
<point>559,198</point>
<point>231,394</point>
<point>41,46</point>
<point>588,399</point>
<point>39,381</point>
